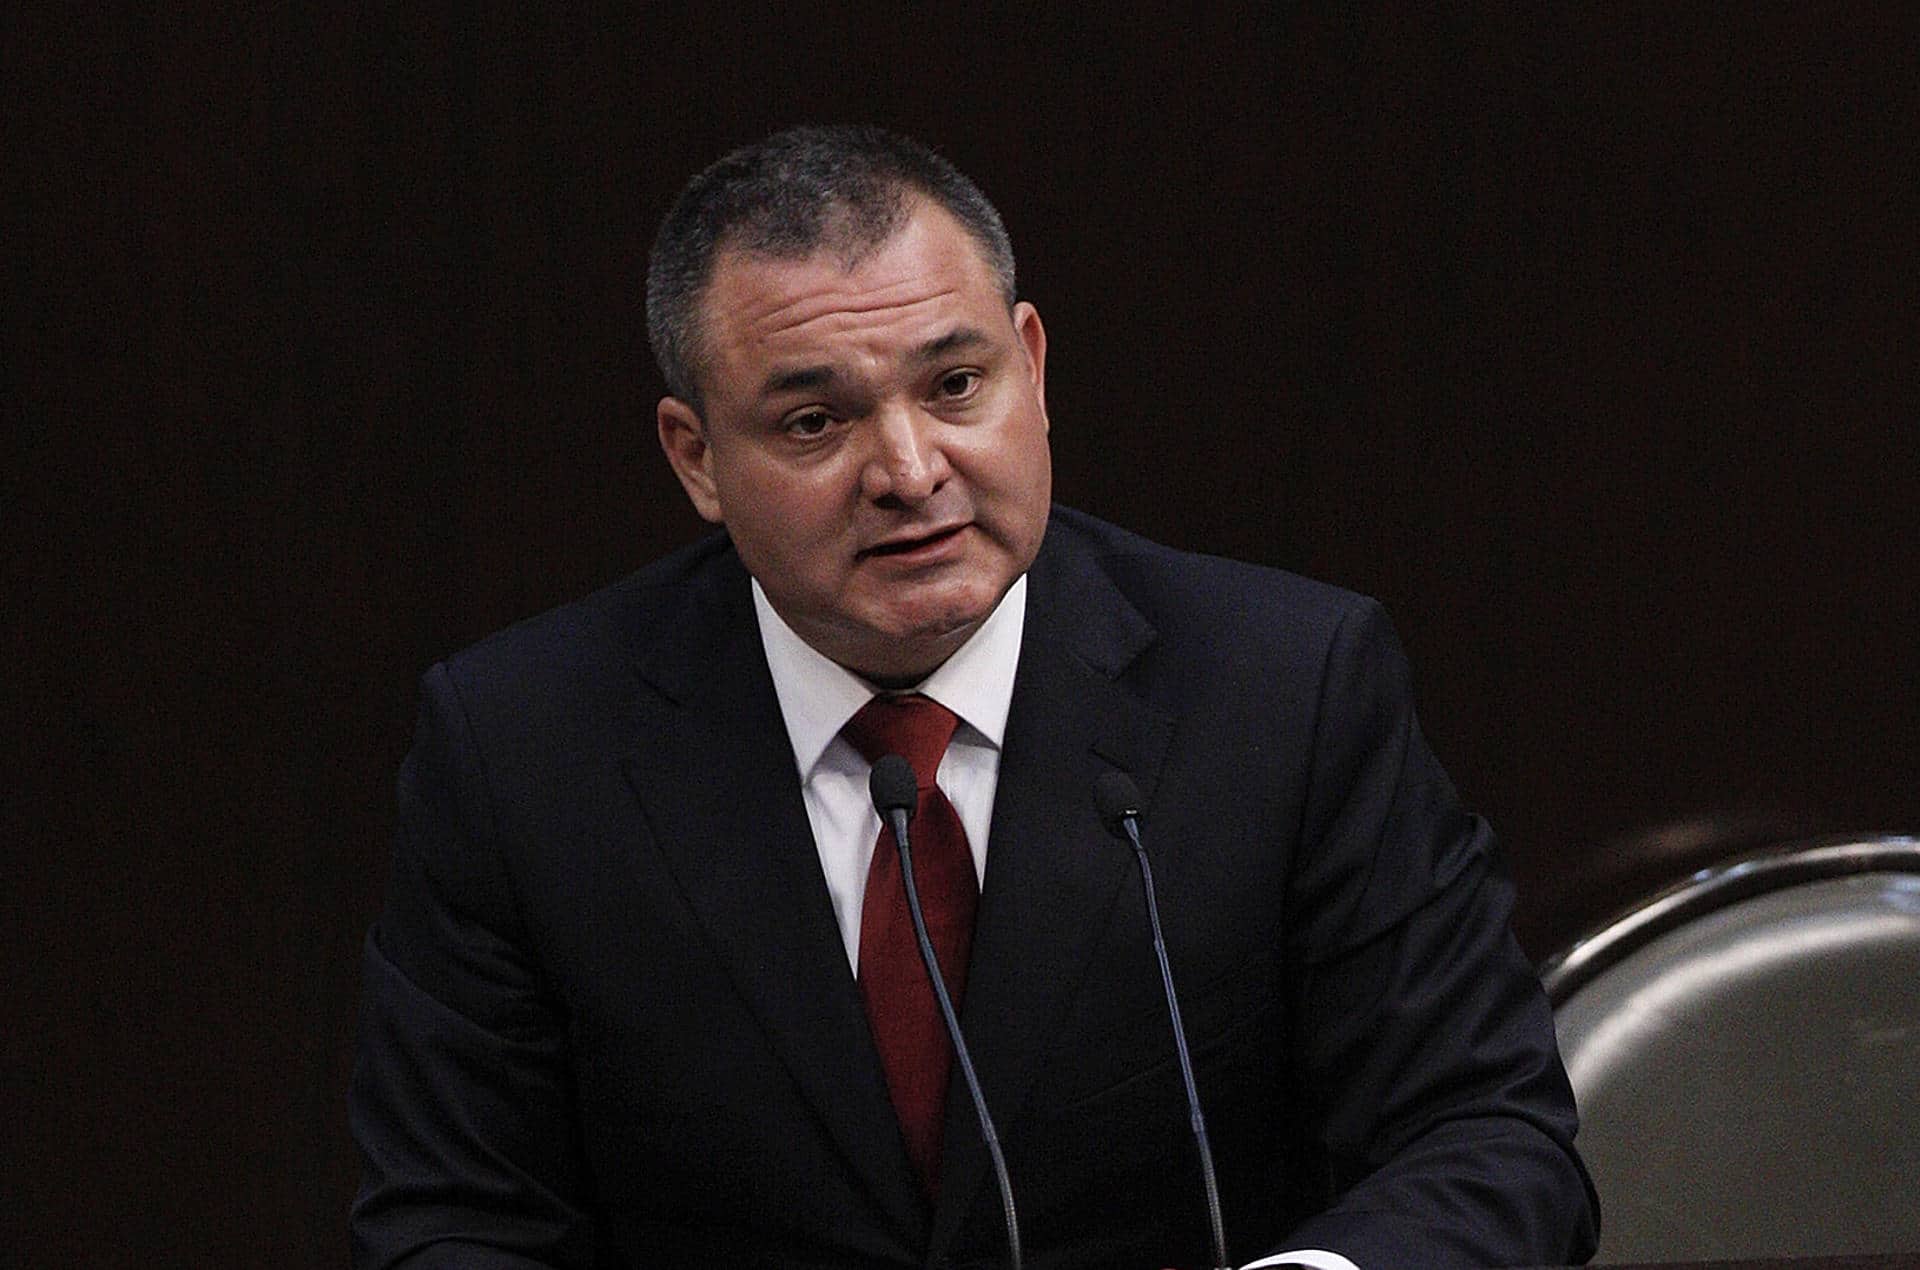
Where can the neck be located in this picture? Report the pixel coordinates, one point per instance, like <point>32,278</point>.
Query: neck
<point>894,683</point>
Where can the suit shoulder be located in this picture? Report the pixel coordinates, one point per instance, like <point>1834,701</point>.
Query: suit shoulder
<point>1185,590</point>
<point>596,637</point>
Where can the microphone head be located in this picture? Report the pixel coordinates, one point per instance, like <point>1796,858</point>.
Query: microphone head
<point>1117,797</point>
<point>892,785</point>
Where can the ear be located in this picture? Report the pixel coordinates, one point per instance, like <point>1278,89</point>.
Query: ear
<point>684,438</point>
<point>1033,339</point>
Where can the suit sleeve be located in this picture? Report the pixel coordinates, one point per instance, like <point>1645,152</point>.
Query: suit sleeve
<point>1423,1040</point>
<point>460,1098</point>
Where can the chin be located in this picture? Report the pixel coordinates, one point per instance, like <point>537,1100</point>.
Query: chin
<point>941,621</point>
<point>914,650</point>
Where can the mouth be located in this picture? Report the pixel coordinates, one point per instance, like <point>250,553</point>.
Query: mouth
<point>916,545</point>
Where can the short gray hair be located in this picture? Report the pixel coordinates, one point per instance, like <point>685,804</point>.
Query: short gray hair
<point>844,188</point>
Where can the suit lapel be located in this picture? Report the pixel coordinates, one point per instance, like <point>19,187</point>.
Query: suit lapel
<point>1053,870</point>
<point>715,779</point>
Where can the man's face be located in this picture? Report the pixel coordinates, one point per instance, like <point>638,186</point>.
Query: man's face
<point>874,440</point>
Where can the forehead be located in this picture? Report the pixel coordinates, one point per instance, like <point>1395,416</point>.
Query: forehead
<point>761,310</point>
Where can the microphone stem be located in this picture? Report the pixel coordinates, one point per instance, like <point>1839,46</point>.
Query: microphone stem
<point>1217,1227</point>
<point>899,817</point>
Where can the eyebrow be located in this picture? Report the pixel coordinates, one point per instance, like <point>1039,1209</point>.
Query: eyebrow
<point>804,377</point>
<point>792,380</point>
<point>960,337</point>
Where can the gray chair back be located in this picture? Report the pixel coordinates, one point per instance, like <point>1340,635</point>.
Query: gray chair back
<point>1745,1050</point>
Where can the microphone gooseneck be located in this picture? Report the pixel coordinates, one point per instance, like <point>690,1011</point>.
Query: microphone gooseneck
<point>895,795</point>
<point>1120,806</point>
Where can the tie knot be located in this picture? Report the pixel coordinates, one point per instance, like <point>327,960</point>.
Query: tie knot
<point>915,727</point>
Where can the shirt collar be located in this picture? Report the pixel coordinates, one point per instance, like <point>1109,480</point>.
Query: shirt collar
<point>818,695</point>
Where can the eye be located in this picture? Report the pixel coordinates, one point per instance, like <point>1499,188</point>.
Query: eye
<point>807,423</point>
<point>958,385</point>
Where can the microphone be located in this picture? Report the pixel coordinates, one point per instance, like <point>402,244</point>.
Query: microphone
<point>896,794</point>
<point>1119,801</point>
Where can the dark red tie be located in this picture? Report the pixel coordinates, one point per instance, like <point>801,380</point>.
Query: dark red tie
<point>901,1009</point>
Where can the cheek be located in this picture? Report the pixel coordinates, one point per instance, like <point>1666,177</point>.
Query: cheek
<point>1021,471</point>
<point>798,516</point>
<point>760,490</point>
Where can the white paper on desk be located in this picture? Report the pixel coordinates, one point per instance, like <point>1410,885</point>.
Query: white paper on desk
<point>1305,1259</point>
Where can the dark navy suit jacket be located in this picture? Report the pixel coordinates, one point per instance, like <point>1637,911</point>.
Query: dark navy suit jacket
<point>608,1016</point>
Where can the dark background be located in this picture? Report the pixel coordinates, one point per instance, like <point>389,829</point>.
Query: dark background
<point>1585,340</point>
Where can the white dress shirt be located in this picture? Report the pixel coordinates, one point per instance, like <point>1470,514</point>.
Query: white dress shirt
<point>818,696</point>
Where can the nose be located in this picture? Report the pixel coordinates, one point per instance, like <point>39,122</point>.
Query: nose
<point>907,464</point>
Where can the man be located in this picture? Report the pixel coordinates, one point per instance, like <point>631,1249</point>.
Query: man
<point>642,995</point>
